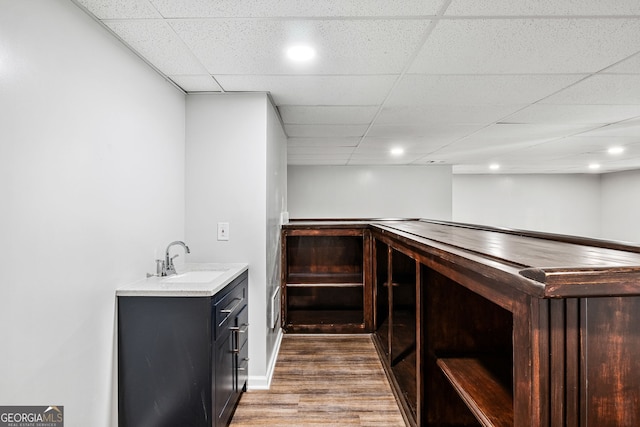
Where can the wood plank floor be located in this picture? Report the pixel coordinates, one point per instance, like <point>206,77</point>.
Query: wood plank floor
<point>323,381</point>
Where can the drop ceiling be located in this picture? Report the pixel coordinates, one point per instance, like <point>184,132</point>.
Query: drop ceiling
<point>545,86</point>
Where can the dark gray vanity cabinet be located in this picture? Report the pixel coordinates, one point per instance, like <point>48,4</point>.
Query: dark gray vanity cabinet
<point>230,349</point>
<point>182,361</point>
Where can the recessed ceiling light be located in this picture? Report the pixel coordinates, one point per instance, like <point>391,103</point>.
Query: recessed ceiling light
<point>301,53</point>
<point>398,151</point>
<point>594,166</point>
<point>615,150</point>
<point>494,166</point>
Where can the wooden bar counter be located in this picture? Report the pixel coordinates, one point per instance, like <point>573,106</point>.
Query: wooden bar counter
<point>478,325</point>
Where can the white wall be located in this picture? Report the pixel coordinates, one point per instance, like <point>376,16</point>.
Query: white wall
<point>369,192</point>
<point>621,206</point>
<point>92,190</point>
<point>227,180</point>
<point>276,184</point>
<point>600,206</point>
<point>566,204</point>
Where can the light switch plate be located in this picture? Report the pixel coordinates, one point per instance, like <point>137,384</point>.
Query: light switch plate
<point>223,231</point>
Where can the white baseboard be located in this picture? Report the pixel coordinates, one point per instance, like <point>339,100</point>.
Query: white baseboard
<point>260,382</point>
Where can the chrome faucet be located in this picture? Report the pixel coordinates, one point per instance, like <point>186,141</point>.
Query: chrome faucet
<point>167,266</point>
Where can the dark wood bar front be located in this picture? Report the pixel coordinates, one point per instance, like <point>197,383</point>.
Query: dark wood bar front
<point>478,325</point>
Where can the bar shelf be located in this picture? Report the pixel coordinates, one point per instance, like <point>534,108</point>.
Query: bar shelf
<point>485,393</point>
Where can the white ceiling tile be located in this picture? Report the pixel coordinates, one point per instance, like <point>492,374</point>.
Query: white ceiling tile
<point>478,150</point>
<point>382,159</point>
<point>430,160</point>
<point>606,142</point>
<point>518,136</point>
<point>525,168</point>
<point>313,90</point>
<point>572,163</point>
<point>316,160</point>
<point>601,89</point>
<point>542,7</point>
<point>630,66</point>
<point>333,114</point>
<point>419,89</point>
<point>578,114</point>
<point>502,46</point>
<point>199,83</point>
<point>418,144</point>
<point>632,154</point>
<point>537,131</point>
<point>500,142</point>
<point>564,147</point>
<point>371,162</point>
<point>629,128</point>
<point>484,157</point>
<point>156,41</point>
<point>123,9</point>
<point>440,114</point>
<point>628,164</point>
<point>435,132</point>
<point>257,46</point>
<point>567,155</point>
<point>325,131</point>
<point>410,150</point>
<point>295,8</point>
<point>324,151</point>
<point>323,142</point>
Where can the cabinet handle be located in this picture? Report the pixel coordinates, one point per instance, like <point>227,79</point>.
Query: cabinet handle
<point>246,359</point>
<point>240,329</point>
<point>393,284</point>
<point>228,310</point>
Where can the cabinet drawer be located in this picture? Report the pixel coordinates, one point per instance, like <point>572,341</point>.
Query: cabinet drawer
<point>228,305</point>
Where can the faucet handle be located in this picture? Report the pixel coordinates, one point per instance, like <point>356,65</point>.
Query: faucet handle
<point>160,268</point>
<point>170,266</point>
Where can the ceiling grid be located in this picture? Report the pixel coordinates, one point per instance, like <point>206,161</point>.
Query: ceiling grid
<point>538,87</point>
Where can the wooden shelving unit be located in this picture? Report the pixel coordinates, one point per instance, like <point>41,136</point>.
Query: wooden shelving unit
<point>325,283</point>
<point>425,321</point>
<point>478,326</point>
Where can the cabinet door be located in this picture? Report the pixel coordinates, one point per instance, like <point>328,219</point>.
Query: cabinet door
<point>164,347</point>
<point>403,305</point>
<point>610,371</point>
<point>224,389</point>
<point>382,281</point>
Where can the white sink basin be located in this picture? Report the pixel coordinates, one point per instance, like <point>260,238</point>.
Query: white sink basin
<point>204,276</point>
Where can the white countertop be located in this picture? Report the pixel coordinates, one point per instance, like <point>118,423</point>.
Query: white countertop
<point>173,286</point>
